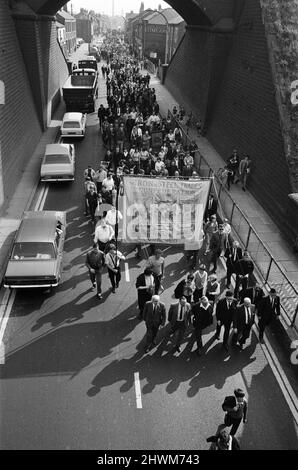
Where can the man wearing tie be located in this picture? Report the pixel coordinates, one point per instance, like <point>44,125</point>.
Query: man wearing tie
<point>269,309</point>
<point>232,254</point>
<point>218,244</point>
<point>179,318</point>
<point>225,312</point>
<point>154,314</point>
<point>211,207</point>
<point>255,293</point>
<point>242,322</point>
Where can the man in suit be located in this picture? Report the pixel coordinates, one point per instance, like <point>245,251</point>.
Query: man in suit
<point>255,293</point>
<point>154,315</point>
<point>145,287</point>
<point>225,312</point>
<point>232,254</point>
<point>269,309</point>
<point>179,319</point>
<point>218,244</point>
<point>242,322</point>
<point>211,207</point>
<point>202,313</point>
<point>244,269</point>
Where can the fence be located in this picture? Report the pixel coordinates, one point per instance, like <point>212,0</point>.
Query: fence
<point>268,268</point>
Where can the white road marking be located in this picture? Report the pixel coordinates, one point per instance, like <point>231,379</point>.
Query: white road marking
<point>127,276</point>
<point>39,199</point>
<point>138,390</point>
<point>280,376</point>
<point>9,300</point>
<point>44,198</point>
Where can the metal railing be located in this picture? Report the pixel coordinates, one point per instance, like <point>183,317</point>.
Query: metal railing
<point>269,270</point>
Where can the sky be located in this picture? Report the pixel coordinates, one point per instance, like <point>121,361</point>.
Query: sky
<point>121,6</point>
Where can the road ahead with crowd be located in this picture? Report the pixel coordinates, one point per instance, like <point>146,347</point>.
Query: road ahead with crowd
<point>75,373</point>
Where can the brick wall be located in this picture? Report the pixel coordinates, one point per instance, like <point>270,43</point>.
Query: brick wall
<point>228,80</point>
<point>246,115</point>
<point>19,125</point>
<point>45,62</point>
<point>33,70</point>
<point>188,73</point>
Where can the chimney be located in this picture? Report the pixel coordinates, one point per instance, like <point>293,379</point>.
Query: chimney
<point>142,8</point>
<point>159,7</point>
<point>65,8</point>
<point>71,9</point>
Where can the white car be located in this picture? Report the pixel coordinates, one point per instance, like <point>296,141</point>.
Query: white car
<point>74,125</point>
<point>58,163</point>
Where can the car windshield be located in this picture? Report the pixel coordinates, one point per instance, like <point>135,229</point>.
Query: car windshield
<point>71,125</point>
<point>57,159</point>
<point>33,250</point>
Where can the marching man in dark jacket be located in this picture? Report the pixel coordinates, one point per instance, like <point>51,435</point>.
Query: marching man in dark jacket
<point>244,270</point>
<point>233,254</point>
<point>225,312</point>
<point>202,317</point>
<point>154,315</point>
<point>269,309</point>
<point>243,322</point>
<point>236,410</point>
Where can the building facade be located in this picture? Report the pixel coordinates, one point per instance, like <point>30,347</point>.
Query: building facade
<point>61,37</point>
<point>155,35</point>
<point>69,22</point>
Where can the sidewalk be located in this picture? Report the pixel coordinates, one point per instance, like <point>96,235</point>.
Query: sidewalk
<point>264,226</point>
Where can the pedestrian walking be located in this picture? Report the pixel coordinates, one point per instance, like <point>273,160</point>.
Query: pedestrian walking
<point>233,166</point>
<point>157,264</point>
<point>244,171</point>
<point>223,441</point>
<point>200,281</point>
<point>179,319</point>
<point>154,315</point>
<point>89,173</point>
<point>113,258</point>
<point>95,261</point>
<point>210,228</point>
<point>218,244</point>
<point>268,310</point>
<point>211,207</point>
<point>233,254</point>
<point>201,318</point>
<point>92,199</point>
<point>225,313</point>
<point>236,408</point>
<point>255,293</point>
<point>213,288</point>
<point>185,288</point>
<point>243,322</point>
<point>104,233</point>
<point>99,176</point>
<point>88,184</point>
<point>244,269</point>
<point>145,287</point>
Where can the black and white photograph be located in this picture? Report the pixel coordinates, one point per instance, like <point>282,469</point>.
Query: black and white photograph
<point>149,229</point>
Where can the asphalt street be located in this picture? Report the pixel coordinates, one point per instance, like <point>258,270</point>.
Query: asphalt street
<point>72,362</point>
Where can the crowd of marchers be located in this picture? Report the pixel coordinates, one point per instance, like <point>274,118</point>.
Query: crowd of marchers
<point>128,126</point>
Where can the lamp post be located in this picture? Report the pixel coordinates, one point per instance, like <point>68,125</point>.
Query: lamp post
<point>167,34</point>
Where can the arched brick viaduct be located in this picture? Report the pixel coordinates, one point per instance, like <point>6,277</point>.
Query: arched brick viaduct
<point>226,65</point>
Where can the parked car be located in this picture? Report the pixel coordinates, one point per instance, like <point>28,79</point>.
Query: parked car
<point>74,125</point>
<point>36,256</point>
<point>58,163</point>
